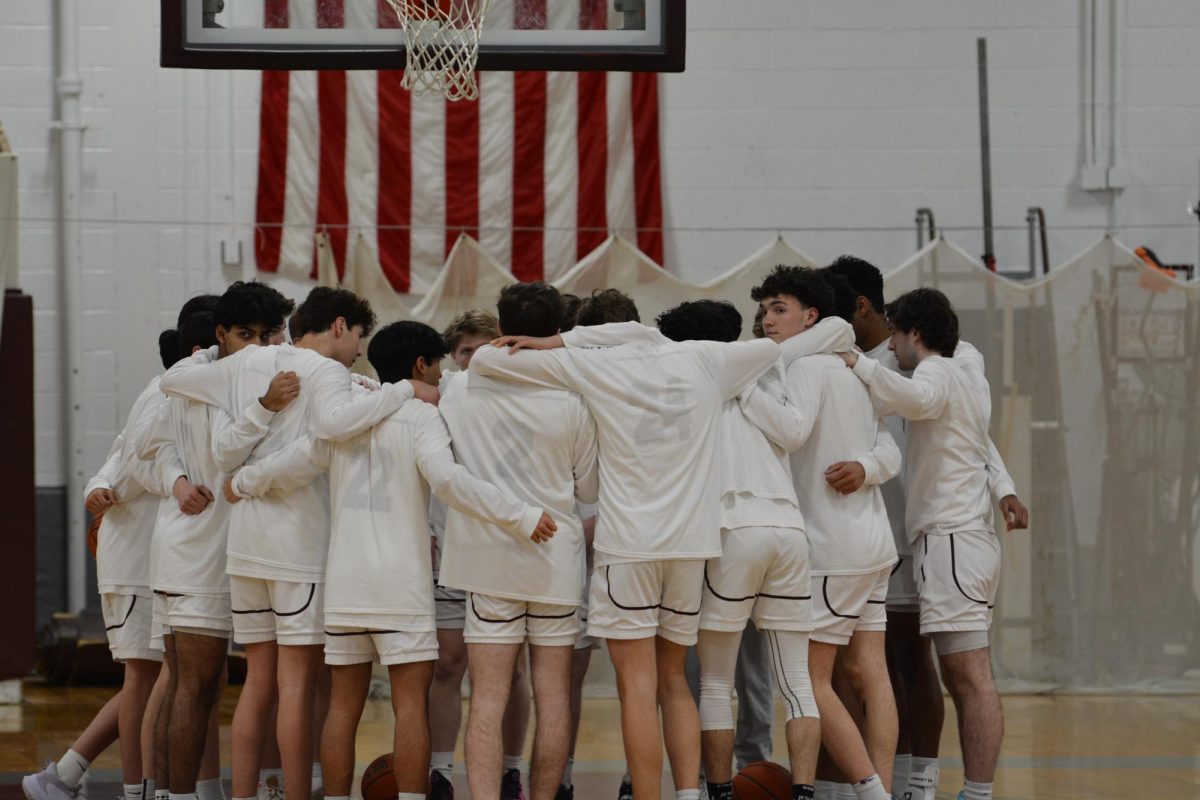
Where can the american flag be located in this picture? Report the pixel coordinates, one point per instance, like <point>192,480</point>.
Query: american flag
<point>540,169</point>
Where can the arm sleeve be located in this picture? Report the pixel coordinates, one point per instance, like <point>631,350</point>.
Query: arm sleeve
<point>883,462</point>
<point>232,442</point>
<point>999,481</point>
<point>337,412</point>
<point>830,335</point>
<point>612,334</point>
<point>456,487</point>
<point>785,422</point>
<point>296,465</point>
<point>587,462</point>
<point>736,365</point>
<point>549,368</point>
<point>923,396</point>
<point>199,378</point>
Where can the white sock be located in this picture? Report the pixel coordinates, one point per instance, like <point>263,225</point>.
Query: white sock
<point>923,779</point>
<point>687,794</point>
<point>977,791</point>
<point>162,794</point>
<point>871,789</point>
<point>825,790</point>
<point>210,789</point>
<point>901,769</point>
<point>147,788</point>
<point>566,776</point>
<point>191,796</point>
<point>410,796</point>
<point>844,791</point>
<point>133,791</point>
<point>70,768</point>
<point>442,763</point>
<point>347,797</point>
<point>512,762</point>
<point>318,777</point>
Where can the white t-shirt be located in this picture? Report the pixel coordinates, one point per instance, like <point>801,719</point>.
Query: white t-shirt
<point>124,539</point>
<point>948,404</point>
<point>190,549</point>
<point>536,444</point>
<point>380,481</point>
<point>825,419</point>
<point>283,535</point>
<point>657,410</point>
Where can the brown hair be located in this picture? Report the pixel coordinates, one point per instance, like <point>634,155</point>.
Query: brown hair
<point>475,322</point>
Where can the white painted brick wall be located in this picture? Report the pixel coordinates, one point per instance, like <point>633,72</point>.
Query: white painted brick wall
<point>793,114</point>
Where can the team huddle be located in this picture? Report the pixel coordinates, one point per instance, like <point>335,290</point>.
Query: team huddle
<point>811,508</point>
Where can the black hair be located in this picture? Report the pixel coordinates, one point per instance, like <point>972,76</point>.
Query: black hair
<point>845,299</point>
<point>571,303</point>
<point>394,351</point>
<point>197,330</point>
<point>250,303</point>
<point>529,309</point>
<point>201,302</point>
<point>168,347</point>
<point>711,320</point>
<point>864,277</point>
<point>324,305</point>
<point>929,313</point>
<point>607,305</point>
<point>802,283</point>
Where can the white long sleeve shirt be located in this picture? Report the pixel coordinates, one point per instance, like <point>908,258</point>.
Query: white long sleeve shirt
<point>124,539</point>
<point>825,420</point>
<point>536,444</point>
<point>948,404</point>
<point>657,410</point>
<point>283,535</point>
<point>380,481</point>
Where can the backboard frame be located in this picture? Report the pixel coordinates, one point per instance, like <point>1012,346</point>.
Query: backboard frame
<point>667,55</point>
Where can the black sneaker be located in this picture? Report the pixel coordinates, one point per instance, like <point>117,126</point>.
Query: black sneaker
<point>439,787</point>
<point>510,787</point>
<point>626,791</point>
<point>565,793</point>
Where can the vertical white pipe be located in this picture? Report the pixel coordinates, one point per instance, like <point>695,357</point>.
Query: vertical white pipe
<point>1116,90</point>
<point>69,86</point>
<point>1089,82</point>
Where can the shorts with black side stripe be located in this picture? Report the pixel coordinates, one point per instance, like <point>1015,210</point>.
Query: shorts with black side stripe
<point>958,575</point>
<point>128,624</point>
<point>761,574</point>
<point>403,644</point>
<point>640,599</point>
<point>902,587</point>
<point>286,612</point>
<point>846,604</point>
<point>501,620</point>
<point>451,608</point>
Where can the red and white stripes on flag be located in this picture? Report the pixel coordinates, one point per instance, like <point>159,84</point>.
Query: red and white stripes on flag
<point>540,169</point>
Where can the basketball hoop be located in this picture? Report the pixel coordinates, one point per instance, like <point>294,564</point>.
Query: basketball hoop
<point>441,43</point>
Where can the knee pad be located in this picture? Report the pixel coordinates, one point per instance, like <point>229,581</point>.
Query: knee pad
<point>949,642</point>
<point>716,702</point>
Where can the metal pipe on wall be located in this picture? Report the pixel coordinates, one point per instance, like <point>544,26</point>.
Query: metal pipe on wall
<point>985,155</point>
<point>69,86</point>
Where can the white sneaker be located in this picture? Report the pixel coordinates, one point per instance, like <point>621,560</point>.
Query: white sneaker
<point>269,790</point>
<point>46,785</point>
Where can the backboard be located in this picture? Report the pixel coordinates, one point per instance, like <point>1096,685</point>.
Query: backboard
<point>568,35</point>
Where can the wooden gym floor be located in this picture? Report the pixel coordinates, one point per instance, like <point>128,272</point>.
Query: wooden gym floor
<point>1061,747</point>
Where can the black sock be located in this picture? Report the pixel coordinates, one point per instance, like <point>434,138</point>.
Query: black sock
<point>720,791</point>
<point>802,791</point>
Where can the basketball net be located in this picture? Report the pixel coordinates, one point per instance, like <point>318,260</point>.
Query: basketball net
<point>441,45</point>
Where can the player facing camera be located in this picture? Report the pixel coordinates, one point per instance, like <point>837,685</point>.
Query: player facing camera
<point>408,351</point>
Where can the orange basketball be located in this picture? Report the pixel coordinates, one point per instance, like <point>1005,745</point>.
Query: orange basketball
<point>93,534</point>
<point>378,782</point>
<point>763,780</point>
